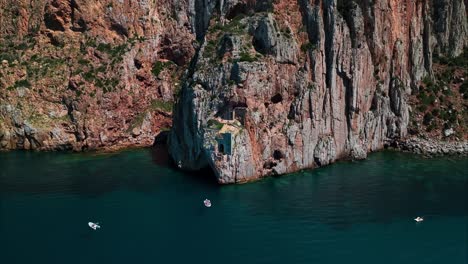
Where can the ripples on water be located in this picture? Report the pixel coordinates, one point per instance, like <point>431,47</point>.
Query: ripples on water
<point>151,213</point>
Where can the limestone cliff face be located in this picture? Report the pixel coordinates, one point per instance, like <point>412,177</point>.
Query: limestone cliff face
<point>279,86</point>
<point>261,86</point>
<point>90,74</point>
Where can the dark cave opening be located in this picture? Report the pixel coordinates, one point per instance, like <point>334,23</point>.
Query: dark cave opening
<point>277,98</point>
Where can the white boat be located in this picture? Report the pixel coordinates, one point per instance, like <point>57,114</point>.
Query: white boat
<point>94,225</point>
<point>207,203</point>
<point>419,219</point>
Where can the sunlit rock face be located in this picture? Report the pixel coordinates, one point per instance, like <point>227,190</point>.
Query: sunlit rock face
<point>279,86</point>
<point>85,75</point>
<point>261,87</point>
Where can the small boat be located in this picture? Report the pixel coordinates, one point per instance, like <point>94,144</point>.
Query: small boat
<point>419,219</point>
<point>179,164</point>
<point>207,203</point>
<point>94,225</point>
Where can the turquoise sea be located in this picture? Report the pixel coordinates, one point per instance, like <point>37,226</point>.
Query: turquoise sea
<point>349,212</point>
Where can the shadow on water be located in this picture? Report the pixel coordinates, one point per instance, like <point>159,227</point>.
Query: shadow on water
<point>92,175</point>
<point>380,189</point>
<point>85,174</point>
<point>160,156</point>
<point>205,176</point>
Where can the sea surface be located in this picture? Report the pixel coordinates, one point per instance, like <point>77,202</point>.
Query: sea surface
<point>349,212</point>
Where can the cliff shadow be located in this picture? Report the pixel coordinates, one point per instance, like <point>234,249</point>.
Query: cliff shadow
<point>160,156</point>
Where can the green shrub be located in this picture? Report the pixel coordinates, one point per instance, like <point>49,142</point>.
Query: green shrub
<point>441,98</point>
<point>435,88</point>
<point>104,47</point>
<point>107,89</point>
<point>447,92</point>
<point>449,115</point>
<point>8,57</point>
<point>447,75</point>
<point>101,68</point>
<point>115,53</point>
<point>22,46</point>
<point>427,81</point>
<point>118,51</point>
<point>431,127</point>
<point>78,71</point>
<point>161,105</point>
<point>83,61</point>
<point>444,114</point>
<point>89,76</point>
<point>137,121</point>
<point>460,61</point>
<point>452,116</point>
<point>308,46</point>
<point>427,119</point>
<point>22,83</point>
<point>212,123</point>
<point>422,108</point>
<point>159,66</point>
<point>210,46</point>
<point>426,99</point>
<point>464,89</point>
<point>113,82</point>
<point>99,83</point>
<point>234,26</point>
<point>216,27</point>
<point>90,43</point>
<point>245,56</point>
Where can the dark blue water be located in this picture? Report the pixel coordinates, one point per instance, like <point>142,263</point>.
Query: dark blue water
<point>350,212</point>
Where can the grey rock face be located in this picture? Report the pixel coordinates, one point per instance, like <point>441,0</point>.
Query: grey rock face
<point>267,39</point>
<point>450,26</point>
<point>325,151</point>
<point>283,94</point>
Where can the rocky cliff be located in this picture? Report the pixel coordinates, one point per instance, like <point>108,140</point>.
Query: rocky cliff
<point>77,74</point>
<point>279,86</point>
<point>261,87</point>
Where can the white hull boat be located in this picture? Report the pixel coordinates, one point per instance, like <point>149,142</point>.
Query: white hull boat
<point>94,225</point>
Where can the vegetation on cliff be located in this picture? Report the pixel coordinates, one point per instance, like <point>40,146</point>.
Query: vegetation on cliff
<point>85,75</point>
<point>440,102</point>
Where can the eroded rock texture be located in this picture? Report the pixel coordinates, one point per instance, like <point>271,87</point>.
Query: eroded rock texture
<point>262,86</point>
<point>90,74</point>
<point>279,86</point>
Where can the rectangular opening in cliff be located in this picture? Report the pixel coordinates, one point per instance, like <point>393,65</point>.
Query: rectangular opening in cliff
<point>224,141</point>
<point>230,114</point>
<point>239,114</point>
<point>220,147</point>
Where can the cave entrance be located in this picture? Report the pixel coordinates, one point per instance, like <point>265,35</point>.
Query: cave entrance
<point>277,98</point>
